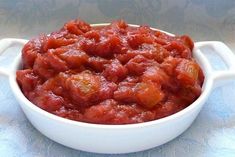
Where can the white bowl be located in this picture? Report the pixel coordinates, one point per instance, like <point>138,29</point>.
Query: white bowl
<point>121,138</point>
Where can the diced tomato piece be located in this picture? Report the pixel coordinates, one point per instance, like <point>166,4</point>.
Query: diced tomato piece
<point>55,62</point>
<point>27,79</point>
<point>148,94</point>
<point>82,87</point>
<point>106,90</point>
<point>169,65</point>
<point>77,27</point>
<point>121,24</point>
<point>74,58</point>
<point>42,68</point>
<point>155,74</point>
<point>115,71</point>
<point>187,72</point>
<point>30,51</point>
<point>53,43</point>
<point>137,39</point>
<point>187,41</point>
<point>101,113</point>
<point>93,34</point>
<point>97,63</point>
<point>178,49</point>
<point>48,101</point>
<point>125,93</point>
<point>137,65</point>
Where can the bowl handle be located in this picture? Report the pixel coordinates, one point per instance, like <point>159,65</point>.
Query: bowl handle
<point>219,76</point>
<point>4,45</point>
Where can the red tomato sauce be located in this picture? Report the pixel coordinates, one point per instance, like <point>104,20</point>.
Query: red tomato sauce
<point>116,74</point>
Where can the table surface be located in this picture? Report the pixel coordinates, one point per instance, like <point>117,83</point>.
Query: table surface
<point>213,132</point>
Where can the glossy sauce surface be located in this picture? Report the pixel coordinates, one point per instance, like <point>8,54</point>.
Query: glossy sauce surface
<point>114,74</point>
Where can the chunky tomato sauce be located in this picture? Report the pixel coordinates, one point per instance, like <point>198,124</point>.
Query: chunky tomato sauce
<point>114,74</point>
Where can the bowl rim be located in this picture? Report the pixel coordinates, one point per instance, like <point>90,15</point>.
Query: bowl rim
<point>206,89</point>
